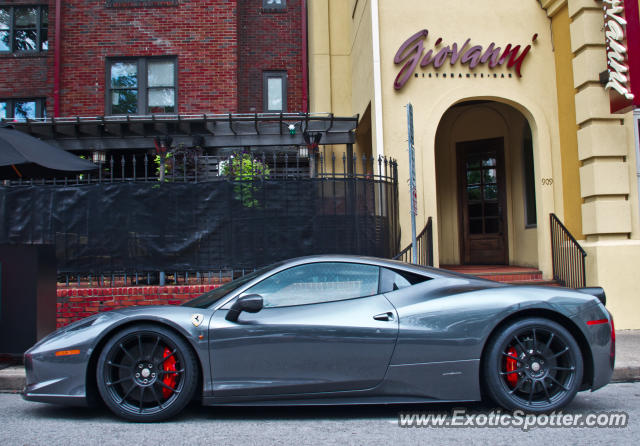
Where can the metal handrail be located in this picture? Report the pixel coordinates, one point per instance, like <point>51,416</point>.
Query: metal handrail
<point>424,242</point>
<point>569,266</point>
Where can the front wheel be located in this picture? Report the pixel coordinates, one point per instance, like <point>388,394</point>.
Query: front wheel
<point>534,365</point>
<point>146,373</point>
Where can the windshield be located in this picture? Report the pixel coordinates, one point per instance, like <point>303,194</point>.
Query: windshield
<point>207,299</point>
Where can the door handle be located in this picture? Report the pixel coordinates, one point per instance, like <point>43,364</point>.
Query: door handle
<point>384,316</point>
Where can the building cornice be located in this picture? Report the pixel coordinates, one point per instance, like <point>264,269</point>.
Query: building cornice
<point>552,6</point>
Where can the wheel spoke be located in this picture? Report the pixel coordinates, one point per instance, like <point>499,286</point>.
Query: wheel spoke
<point>167,387</point>
<point>126,352</point>
<point>153,350</point>
<point>517,387</point>
<point>524,349</point>
<point>533,389</point>
<point>126,394</point>
<point>549,340</point>
<point>562,352</point>
<point>568,369</point>
<point>171,372</point>
<point>535,341</point>
<point>113,364</point>
<point>140,346</point>
<point>142,388</point>
<point>155,396</point>
<point>557,382</point>
<point>512,371</point>
<point>121,380</point>
<point>511,356</point>
<point>169,355</point>
<point>546,392</point>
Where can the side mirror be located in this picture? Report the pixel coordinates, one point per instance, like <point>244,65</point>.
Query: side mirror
<point>251,303</point>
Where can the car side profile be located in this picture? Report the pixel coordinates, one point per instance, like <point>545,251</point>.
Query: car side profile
<point>334,330</point>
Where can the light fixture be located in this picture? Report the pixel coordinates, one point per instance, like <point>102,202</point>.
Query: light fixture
<point>292,129</point>
<point>99,156</point>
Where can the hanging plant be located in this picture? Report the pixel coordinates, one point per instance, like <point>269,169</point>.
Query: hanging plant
<point>248,172</point>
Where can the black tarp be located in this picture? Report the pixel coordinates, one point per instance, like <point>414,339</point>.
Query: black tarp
<point>148,226</point>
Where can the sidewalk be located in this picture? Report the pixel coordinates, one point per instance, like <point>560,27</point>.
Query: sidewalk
<point>627,367</point>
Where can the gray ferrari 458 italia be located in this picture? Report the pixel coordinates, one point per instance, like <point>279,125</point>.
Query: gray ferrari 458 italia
<point>334,330</point>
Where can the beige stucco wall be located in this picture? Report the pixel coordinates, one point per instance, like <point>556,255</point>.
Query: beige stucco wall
<point>601,185</point>
<point>468,123</point>
<point>533,95</point>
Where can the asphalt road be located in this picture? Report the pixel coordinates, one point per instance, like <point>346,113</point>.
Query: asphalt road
<point>26,423</point>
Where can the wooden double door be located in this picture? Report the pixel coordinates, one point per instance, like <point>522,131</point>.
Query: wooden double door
<point>482,201</point>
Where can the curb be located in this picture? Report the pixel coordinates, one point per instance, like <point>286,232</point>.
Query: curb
<point>13,380</point>
<point>626,374</point>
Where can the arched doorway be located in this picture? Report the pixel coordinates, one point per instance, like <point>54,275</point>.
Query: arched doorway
<point>485,186</point>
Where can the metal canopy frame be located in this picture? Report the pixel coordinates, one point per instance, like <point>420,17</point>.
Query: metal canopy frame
<point>216,130</point>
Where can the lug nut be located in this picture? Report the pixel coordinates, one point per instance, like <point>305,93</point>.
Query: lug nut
<point>140,366</point>
<point>137,375</point>
<point>153,375</point>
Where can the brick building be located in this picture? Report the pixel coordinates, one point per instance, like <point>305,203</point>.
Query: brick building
<point>119,57</point>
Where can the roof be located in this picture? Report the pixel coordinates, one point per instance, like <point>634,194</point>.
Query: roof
<point>209,130</point>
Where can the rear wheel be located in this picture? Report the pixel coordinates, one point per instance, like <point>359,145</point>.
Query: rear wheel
<point>146,373</point>
<point>534,365</point>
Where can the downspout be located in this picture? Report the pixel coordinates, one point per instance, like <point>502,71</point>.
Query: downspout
<point>377,78</point>
<point>305,42</point>
<point>56,59</point>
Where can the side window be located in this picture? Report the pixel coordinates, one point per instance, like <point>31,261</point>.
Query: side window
<point>317,283</point>
<point>391,280</point>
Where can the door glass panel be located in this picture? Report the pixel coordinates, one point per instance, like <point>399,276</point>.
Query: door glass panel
<point>473,177</point>
<point>317,283</point>
<point>3,110</point>
<point>492,225</point>
<point>491,192</point>
<point>491,210</point>
<point>475,225</point>
<point>490,176</point>
<point>488,162</point>
<point>473,193</point>
<point>475,210</point>
<point>473,163</point>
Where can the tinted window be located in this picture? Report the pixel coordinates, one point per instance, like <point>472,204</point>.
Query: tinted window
<point>208,299</point>
<point>316,283</point>
<point>391,280</point>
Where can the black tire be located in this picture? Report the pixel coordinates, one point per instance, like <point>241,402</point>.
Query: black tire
<point>543,375</point>
<point>146,373</point>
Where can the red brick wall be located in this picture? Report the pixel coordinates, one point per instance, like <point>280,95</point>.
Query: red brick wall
<point>202,34</point>
<point>222,48</point>
<point>77,303</point>
<point>269,41</point>
<point>30,75</point>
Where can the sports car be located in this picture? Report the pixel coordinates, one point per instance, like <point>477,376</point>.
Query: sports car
<point>334,330</point>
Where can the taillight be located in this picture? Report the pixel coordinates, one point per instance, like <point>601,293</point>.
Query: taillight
<point>613,341</point>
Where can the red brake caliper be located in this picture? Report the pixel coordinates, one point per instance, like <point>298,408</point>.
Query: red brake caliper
<point>512,365</point>
<point>169,365</point>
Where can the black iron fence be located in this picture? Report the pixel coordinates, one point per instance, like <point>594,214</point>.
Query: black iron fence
<point>424,251</point>
<point>123,222</point>
<point>568,256</point>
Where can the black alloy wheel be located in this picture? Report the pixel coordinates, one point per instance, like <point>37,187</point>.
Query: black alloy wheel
<point>534,365</point>
<point>146,373</point>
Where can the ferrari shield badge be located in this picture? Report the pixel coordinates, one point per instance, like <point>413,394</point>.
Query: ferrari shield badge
<point>196,319</point>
